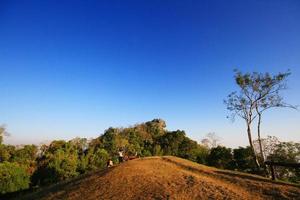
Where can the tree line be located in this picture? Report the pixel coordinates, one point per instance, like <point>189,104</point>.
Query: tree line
<point>31,166</point>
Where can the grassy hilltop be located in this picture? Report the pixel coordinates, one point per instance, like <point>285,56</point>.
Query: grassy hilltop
<point>168,177</point>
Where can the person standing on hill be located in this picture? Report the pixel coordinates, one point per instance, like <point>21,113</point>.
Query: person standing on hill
<point>121,156</point>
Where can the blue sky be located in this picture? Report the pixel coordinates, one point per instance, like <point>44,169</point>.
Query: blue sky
<point>75,68</point>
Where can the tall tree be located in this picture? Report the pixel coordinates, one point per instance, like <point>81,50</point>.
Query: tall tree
<point>242,104</point>
<point>268,88</point>
<point>258,93</point>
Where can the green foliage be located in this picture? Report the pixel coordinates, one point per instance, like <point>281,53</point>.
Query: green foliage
<point>63,164</point>
<point>176,143</point>
<point>156,127</point>
<point>83,163</point>
<point>157,151</point>
<point>171,141</point>
<point>221,157</point>
<point>99,159</point>
<point>287,152</point>
<point>13,177</point>
<point>59,162</point>
<point>146,153</point>
<point>108,139</point>
<point>6,152</point>
<point>243,159</point>
<point>186,148</point>
<point>199,154</point>
<point>25,155</point>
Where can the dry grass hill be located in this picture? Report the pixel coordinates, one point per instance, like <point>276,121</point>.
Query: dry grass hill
<point>167,178</point>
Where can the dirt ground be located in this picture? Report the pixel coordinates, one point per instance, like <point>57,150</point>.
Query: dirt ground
<point>168,178</point>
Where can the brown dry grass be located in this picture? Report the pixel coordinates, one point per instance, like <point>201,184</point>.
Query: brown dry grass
<point>168,178</point>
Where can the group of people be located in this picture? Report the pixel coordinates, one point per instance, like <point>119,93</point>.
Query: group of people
<point>121,159</point>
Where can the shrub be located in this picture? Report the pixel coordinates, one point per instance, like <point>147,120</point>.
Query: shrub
<point>243,159</point>
<point>157,151</point>
<point>13,177</point>
<point>220,157</point>
<point>146,153</point>
<point>60,165</point>
<point>100,158</point>
<point>200,154</point>
<point>288,152</point>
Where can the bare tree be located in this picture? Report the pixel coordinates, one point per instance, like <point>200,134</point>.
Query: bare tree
<point>3,133</point>
<point>268,145</point>
<point>211,140</point>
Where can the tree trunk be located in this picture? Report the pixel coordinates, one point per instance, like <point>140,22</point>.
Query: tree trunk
<point>251,146</point>
<point>259,139</point>
<point>259,142</point>
<point>258,135</point>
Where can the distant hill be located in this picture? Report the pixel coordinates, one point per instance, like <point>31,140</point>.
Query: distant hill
<point>167,178</point>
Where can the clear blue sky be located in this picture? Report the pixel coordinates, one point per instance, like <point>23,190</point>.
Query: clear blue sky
<point>74,68</point>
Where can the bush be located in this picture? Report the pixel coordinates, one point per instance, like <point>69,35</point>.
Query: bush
<point>146,153</point>
<point>244,159</point>
<point>288,152</point>
<point>100,158</point>
<point>220,157</point>
<point>13,177</point>
<point>200,154</point>
<point>157,151</point>
<point>60,165</point>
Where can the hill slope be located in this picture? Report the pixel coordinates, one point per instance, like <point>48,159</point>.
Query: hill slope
<point>168,178</point>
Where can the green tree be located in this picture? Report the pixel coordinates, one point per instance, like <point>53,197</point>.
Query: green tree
<point>171,141</point>
<point>220,157</point>
<point>108,140</point>
<point>6,152</point>
<point>199,154</point>
<point>13,177</point>
<point>156,127</point>
<point>136,142</point>
<point>243,159</point>
<point>287,152</point>
<point>99,158</point>
<point>59,162</point>
<point>27,154</point>
<point>186,149</point>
